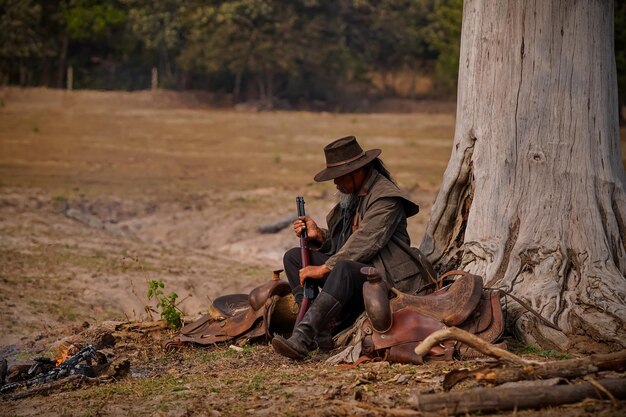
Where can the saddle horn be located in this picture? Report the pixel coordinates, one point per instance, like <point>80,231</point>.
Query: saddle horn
<point>376,300</point>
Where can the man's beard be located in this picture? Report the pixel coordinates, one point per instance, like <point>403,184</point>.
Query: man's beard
<point>345,200</point>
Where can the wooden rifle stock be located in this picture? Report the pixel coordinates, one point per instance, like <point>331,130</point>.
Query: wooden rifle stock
<point>309,288</point>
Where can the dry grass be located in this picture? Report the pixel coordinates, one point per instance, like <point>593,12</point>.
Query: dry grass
<point>64,144</point>
<point>178,186</point>
<point>176,192</point>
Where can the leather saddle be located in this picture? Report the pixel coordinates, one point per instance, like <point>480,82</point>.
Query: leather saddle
<point>397,322</point>
<point>269,308</point>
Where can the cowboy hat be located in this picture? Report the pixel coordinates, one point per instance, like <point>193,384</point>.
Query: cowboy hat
<point>344,156</point>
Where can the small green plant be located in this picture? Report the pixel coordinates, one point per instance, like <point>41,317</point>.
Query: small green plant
<point>166,304</point>
<point>528,349</point>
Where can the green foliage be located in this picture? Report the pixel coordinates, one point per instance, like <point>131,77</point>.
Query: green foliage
<point>156,23</point>
<point>91,19</point>
<point>158,26</point>
<point>166,304</point>
<point>528,349</point>
<point>253,49</point>
<point>443,34</point>
<point>19,29</point>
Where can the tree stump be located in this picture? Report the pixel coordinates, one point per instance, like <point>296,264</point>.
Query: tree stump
<point>533,198</point>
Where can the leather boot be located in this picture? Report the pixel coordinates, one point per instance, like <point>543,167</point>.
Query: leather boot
<point>302,340</point>
<point>324,340</point>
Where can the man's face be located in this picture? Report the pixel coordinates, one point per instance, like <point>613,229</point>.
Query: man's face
<point>345,184</point>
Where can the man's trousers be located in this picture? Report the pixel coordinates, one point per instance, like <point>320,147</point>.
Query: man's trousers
<point>344,282</point>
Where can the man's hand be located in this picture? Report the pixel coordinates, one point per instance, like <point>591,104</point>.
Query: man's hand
<point>305,222</point>
<point>313,272</point>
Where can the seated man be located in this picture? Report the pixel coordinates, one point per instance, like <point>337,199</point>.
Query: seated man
<point>366,228</point>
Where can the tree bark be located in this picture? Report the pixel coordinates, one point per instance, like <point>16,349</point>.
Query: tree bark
<point>62,60</point>
<point>237,87</point>
<point>533,197</point>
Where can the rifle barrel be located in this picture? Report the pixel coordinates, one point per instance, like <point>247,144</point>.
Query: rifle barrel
<point>309,288</point>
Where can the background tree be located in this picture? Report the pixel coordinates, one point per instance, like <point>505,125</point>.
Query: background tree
<point>157,24</point>
<point>20,40</point>
<point>533,196</point>
<point>443,34</point>
<point>331,53</point>
<point>92,31</point>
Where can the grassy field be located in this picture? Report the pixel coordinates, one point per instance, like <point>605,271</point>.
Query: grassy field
<point>103,143</point>
<point>178,188</point>
<point>101,192</point>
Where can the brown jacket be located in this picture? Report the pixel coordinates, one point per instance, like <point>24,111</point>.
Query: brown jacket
<point>382,214</point>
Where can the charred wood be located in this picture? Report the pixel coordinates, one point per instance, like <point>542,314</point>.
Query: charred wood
<point>71,366</point>
<point>47,388</point>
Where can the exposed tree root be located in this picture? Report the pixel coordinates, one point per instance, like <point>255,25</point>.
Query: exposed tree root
<point>534,211</point>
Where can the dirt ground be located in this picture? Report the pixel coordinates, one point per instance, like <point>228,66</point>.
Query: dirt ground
<point>101,192</point>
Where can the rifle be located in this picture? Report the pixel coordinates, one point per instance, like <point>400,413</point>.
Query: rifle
<point>309,288</point>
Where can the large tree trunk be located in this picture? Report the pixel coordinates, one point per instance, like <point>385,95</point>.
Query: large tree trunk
<point>62,60</point>
<point>533,197</point>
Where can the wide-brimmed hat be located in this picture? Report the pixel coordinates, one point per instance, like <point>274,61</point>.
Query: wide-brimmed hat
<point>344,156</point>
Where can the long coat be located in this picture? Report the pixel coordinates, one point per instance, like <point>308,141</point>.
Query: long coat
<point>381,215</point>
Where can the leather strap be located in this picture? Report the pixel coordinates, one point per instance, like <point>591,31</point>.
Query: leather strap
<point>529,309</point>
<point>453,272</point>
<point>439,283</point>
<point>426,269</point>
<point>347,161</point>
<point>505,293</point>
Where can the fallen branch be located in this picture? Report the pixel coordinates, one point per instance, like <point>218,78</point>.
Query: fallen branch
<point>112,371</point>
<point>278,226</point>
<point>142,327</point>
<point>475,342</point>
<point>502,399</point>
<point>571,368</point>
